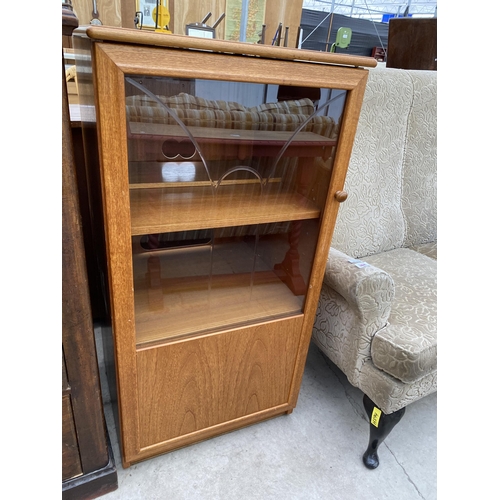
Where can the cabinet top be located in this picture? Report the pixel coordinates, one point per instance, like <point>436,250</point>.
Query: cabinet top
<point>141,37</point>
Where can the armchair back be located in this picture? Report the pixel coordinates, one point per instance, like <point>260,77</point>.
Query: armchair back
<point>392,174</point>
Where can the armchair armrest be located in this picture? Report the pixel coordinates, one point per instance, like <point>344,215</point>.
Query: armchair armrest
<point>355,303</point>
<point>366,288</point>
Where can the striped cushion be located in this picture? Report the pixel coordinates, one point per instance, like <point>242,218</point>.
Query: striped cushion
<point>184,101</point>
<point>296,107</point>
<point>198,112</point>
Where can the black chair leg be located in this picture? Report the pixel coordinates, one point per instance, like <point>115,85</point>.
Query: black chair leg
<point>380,427</point>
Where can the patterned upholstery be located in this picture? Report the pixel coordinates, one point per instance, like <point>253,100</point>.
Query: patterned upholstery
<point>429,249</point>
<point>376,317</point>
<point>198,112</point>
<point>370,220</point>
<point>419,196</point>
<point>296,107</point>
<point>407,347</point>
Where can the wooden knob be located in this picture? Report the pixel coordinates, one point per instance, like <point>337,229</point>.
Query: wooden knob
<point>341,196</point>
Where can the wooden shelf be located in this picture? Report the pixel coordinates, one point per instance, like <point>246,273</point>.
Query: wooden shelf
<point>226,136</point>
<point>157,174</point>
<point>183,209</point>
<point>198,289</point>
<point>222,143</point>
<point>196,306</point>
<point>173,196</point>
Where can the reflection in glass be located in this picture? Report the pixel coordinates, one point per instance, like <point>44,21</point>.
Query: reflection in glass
<point>178,172</point>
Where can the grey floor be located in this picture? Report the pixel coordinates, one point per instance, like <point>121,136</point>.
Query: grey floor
<point>313,453</point>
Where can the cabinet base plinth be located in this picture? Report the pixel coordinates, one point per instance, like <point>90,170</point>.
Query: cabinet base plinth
<point>205,434</point>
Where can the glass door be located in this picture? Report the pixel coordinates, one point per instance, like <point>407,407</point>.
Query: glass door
<point>228,183</point>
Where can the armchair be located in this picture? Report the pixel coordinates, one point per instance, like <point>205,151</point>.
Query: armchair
<point>377,313</point>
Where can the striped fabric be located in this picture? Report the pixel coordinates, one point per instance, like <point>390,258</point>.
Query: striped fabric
<point>198,112</point>
<point>296,107</point>
<point>185,101</point>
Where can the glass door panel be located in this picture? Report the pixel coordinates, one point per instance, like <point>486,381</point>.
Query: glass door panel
<point>226,198</point>
<point>200,281</point>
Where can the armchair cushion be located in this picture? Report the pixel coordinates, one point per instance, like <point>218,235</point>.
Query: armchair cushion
<point>429,249</point>
<point>407,347</point>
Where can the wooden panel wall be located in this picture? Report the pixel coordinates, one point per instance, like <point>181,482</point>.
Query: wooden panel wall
<point>110,13</point>
<point>193,12</point>
<point>182,12</point>
<point>287,12</point>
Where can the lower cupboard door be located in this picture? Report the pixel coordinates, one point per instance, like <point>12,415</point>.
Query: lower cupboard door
<point>202,383</point>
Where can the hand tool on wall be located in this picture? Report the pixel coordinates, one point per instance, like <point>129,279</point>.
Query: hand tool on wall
<point>95,14</point>
<point>202,29</point>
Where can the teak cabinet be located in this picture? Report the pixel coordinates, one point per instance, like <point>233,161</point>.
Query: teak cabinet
<point>218,205</point>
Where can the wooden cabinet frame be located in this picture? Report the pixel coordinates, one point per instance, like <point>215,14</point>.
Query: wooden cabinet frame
<point>119,52</point>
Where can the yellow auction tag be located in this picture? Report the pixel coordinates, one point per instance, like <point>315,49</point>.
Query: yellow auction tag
<point>375,416</point>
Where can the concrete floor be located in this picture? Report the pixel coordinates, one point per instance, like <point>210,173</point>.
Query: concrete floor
<point>313,453</point>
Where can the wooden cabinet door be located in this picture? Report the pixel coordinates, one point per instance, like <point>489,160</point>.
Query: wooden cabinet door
<point>192,387</point>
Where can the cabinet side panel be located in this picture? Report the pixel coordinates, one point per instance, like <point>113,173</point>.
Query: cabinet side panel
<point>195,384</point>
<point>112,134</point>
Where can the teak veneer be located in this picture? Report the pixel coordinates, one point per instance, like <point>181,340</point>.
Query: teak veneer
<point>216,238</point>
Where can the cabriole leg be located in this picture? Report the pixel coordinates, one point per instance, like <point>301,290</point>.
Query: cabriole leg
<point>380,427</point>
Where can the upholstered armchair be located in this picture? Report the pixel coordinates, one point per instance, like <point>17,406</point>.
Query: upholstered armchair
<point>377,313</point>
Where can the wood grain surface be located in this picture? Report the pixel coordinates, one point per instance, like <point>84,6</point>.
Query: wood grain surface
<point>199,383</point>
